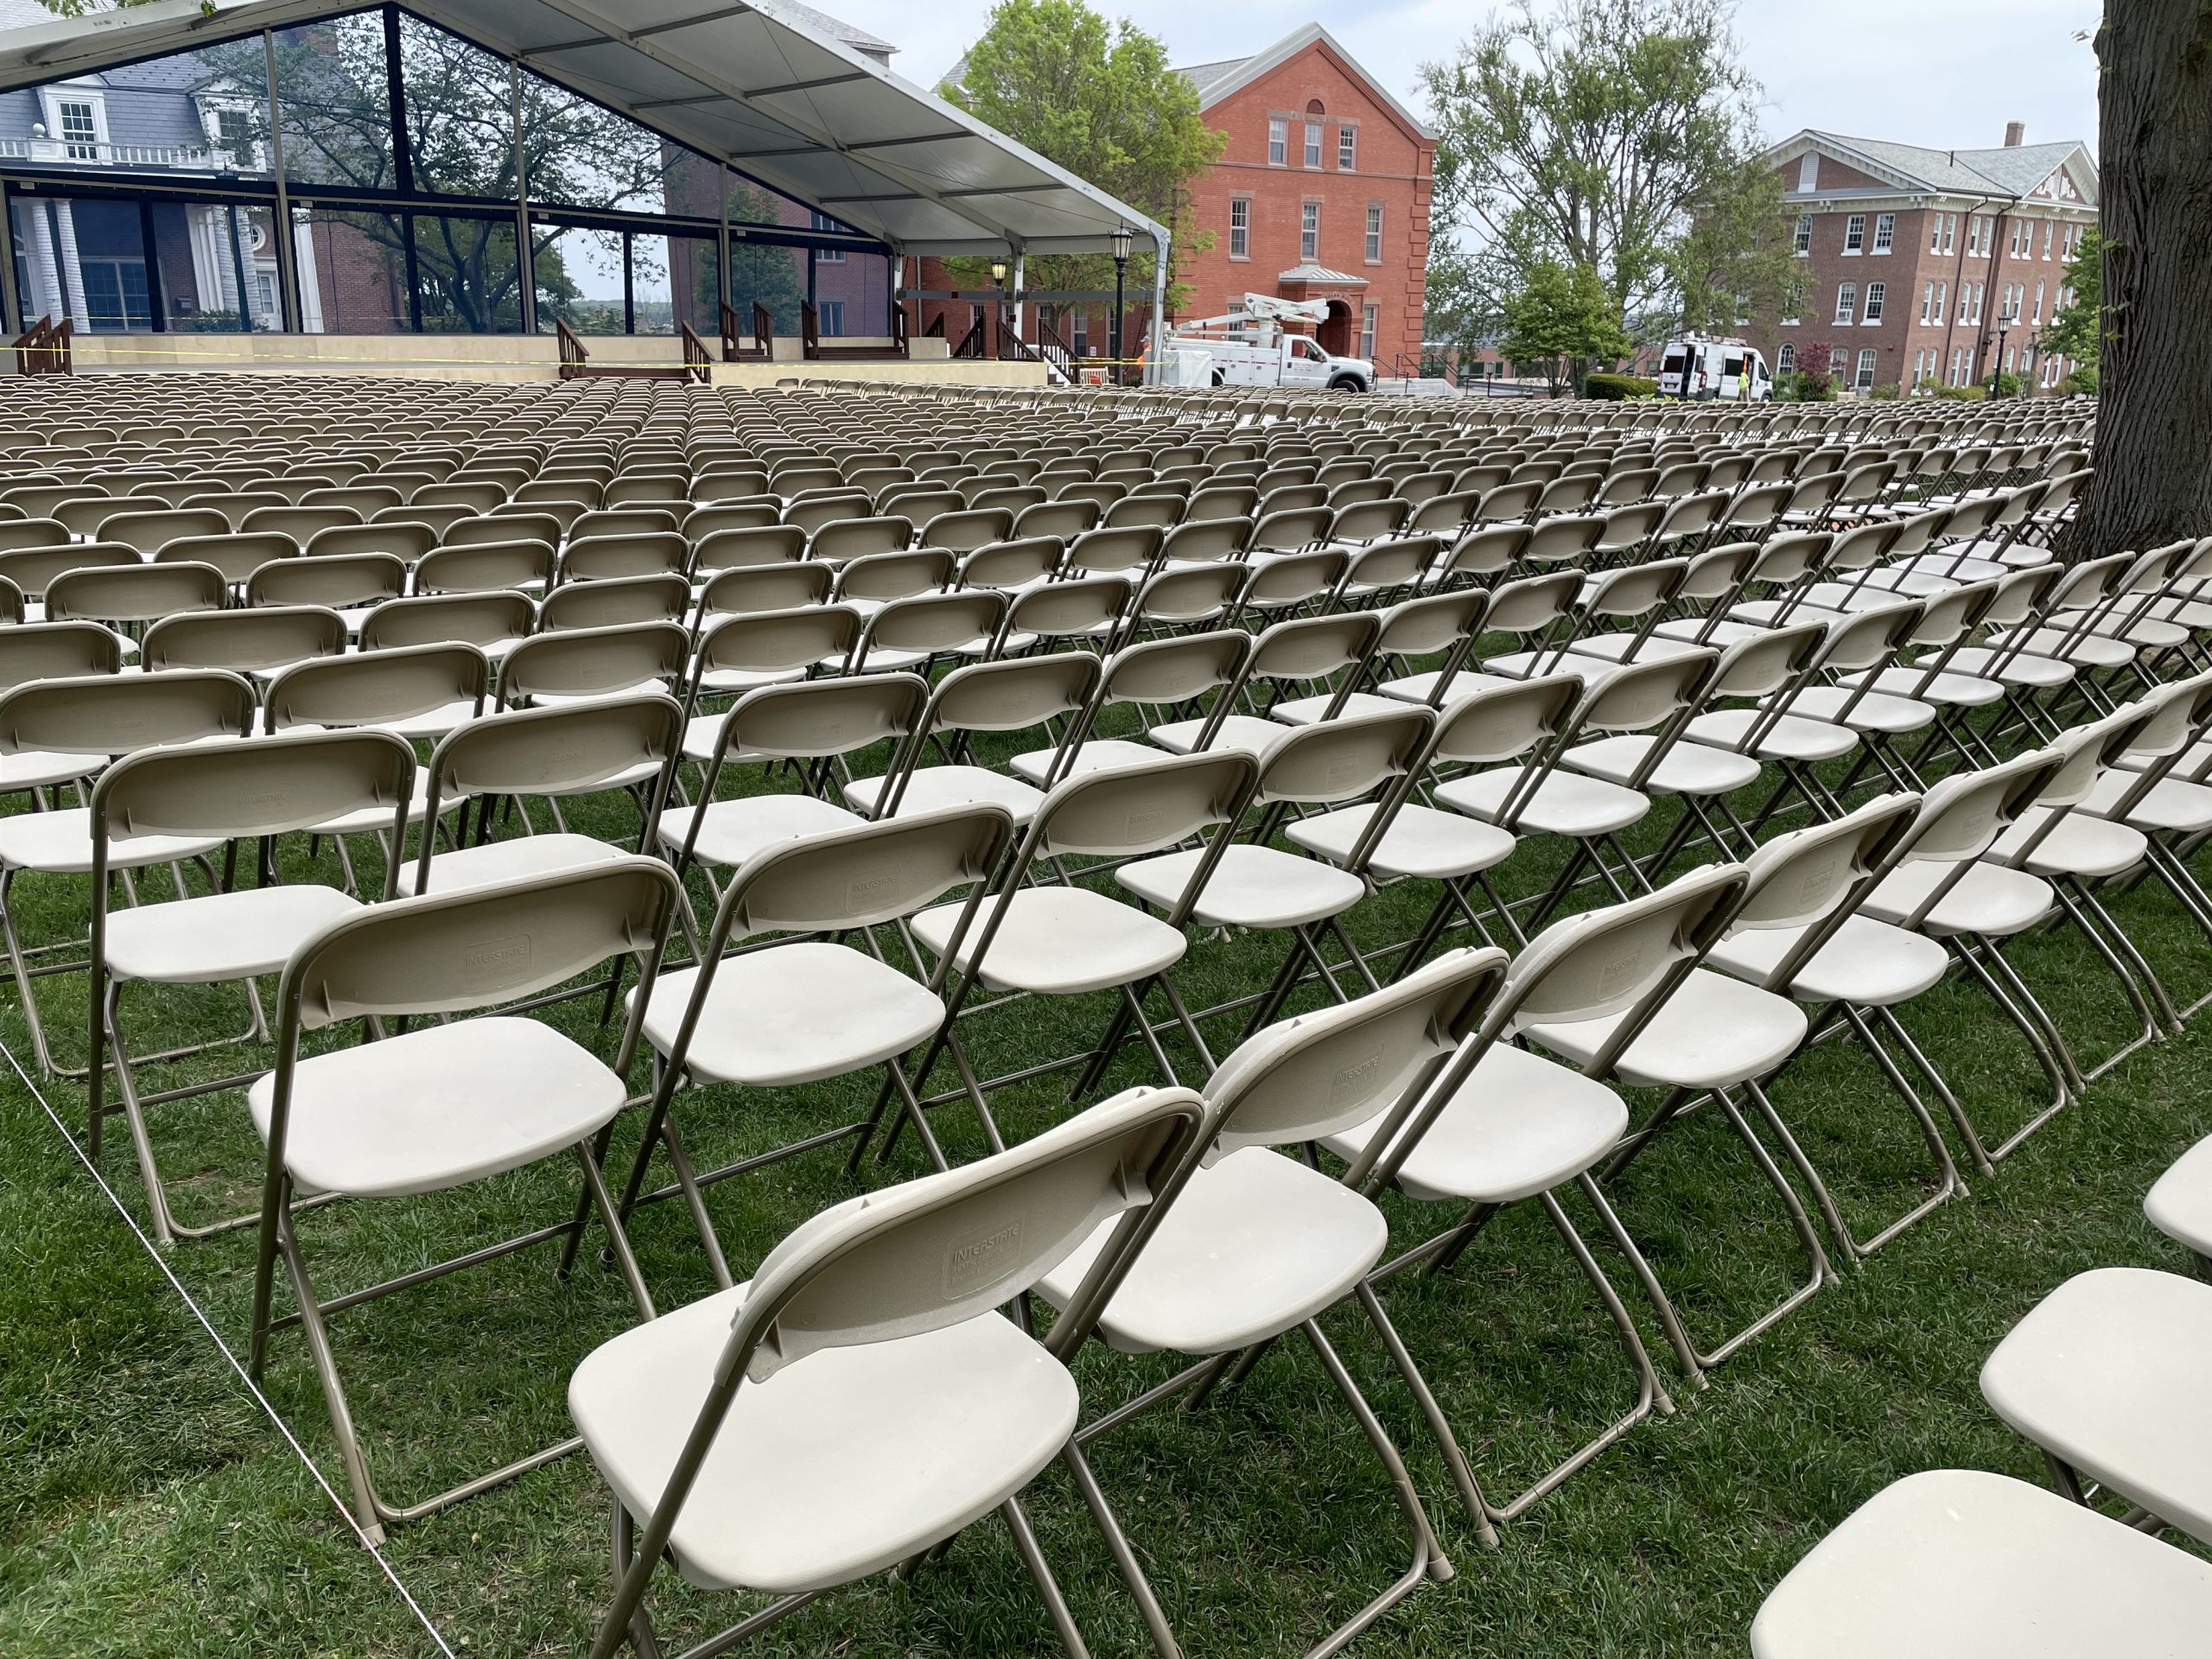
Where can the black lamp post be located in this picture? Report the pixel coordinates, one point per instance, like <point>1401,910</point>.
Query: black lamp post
<point>1121,241</point>
<point>2005,321</point>
<point>998,281</point>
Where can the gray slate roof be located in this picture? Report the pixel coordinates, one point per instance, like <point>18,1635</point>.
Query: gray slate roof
<point>1998,171</point>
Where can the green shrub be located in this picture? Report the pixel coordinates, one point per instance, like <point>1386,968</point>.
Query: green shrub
<point>2083,382</point>
<point>2008,384</point>
<point>1962,394</point>
<point>1618,388</point>
<point>1800,387</point>
<point>1886,392</point>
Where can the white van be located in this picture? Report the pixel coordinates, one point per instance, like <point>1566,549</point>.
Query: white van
<point>1730,371</point>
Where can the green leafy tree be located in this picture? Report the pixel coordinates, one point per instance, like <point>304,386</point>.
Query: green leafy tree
<point>1099,99</point>
<point>1619,134</point>
<point>1564,320</point>
<point>2076,329</point>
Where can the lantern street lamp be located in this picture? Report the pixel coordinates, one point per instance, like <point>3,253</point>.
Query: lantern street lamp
<point>1121,241</point>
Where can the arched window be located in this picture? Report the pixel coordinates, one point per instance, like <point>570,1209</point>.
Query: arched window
<point>1785,359</point>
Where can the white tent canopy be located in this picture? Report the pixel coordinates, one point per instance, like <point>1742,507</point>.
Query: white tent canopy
<point>756,84</point>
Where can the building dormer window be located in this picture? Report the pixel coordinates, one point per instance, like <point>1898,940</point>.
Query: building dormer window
<point>76,119</point>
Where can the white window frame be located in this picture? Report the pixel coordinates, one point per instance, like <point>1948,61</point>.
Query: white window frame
<point>1846,303</point>
<point>1855,235</point>
<point>1793,302</point>
<point>2049,229</point>
<point>830,316</point>
<point>1885,232</point>
<point>1313,151</point>
<point>1950,229</point>
<point>2038,315</point>
<point>1309,232</point>
<point>1785,357</point>
<point>51,99</point>
<point>1926,303</point>
<point>1278,141</point>
<point>1373,243</point>
<point>1240,235</point>
<point>1863,379</point>
<point>1347,147</point>
<point>1801,240</point>
<point>1877,298</point>
<point>1369,316</point>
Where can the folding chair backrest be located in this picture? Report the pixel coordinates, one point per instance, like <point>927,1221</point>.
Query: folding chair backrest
<point>1010,565</point>
<point>485,567</point>
<point>1954,611</point>
<point>144,594</point>
<point>624,521</point>
<point>1533,602</point>
<point>485,620</point>
<point>1174,670</point>
<point>149,531</point>
<point>2087,753</point>
<point>1307,648</point>
<point>1420,627</point>
<point>1633,590</point>
<point>1503,722</point>
<point>269,786</point>
<point>932,623</point>
<point>1963,815</point>
<point>1314,1076</point>
<point>855,538</point>
<point>1870,638</point>
<point>255,641</point>
<point>2178,712</point>
<point>11,603</point>
<point>895,576</point>
<point>739,549</point>
<point>1800,877</point>
<point>1487,550</point>
<point>1604,962</point>
<point>845,879</point>
<point>600,559</point>
<point>819,718</point>
<point>453,952</point>
<point>777,642</point>
<point>1334,760</point>
<point>595,662</point>
<point>612,604</point>
<point>1131,809</point>
<point>114,714</point>
<point>1643,695</point>
<point>237,556</point>
<point>56,651</point>
<point>1763,663</point>
<point>561,749</point>
<point>1062,610</point>
<point>936,1252</point>
<point>371,688</point>
<point>409,541</point>
<point>32,568</point>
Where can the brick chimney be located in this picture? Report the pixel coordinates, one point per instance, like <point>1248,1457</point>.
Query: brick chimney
<point>2016,134</point>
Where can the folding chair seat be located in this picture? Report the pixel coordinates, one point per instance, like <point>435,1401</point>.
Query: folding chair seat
<point>445,1105</point>
<point>230,791</point>
<point>813,721</point>
<point>93,718</point>
<point>1009,694</point>
<point>1162,673</point>
<point>2100,1375</point>
<point>1957,1564</point>
<point>2179,1204</point>
<point>743,1438</point>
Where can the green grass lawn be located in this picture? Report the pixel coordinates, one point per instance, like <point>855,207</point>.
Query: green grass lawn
<point>148,1508</point>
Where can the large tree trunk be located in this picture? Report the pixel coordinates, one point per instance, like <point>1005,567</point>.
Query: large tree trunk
<point>2154,416</point>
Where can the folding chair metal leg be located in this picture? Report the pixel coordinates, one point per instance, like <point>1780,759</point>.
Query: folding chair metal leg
<point>1048,1589</point>
<point>1125,1557</point>
<point>1822,1274</point>
<point>1971,953</point>
<point>1485,1515</point>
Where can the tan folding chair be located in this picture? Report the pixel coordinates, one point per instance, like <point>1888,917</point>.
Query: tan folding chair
<point>228,792</point>
<point>445,1105</point>
<point>891,1296</point>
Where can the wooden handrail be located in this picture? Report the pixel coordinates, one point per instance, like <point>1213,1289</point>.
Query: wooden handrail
<point>731,352</point>
<point>43,348</point>
<point>573,354</point>
<point>810,331</point>
<point>698,361</point>
<point>764,331</point>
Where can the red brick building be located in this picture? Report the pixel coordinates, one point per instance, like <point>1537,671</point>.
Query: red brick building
<point>1322,192</point>
<point>1919,266</point>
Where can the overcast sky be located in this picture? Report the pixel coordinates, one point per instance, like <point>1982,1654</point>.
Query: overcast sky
<point>1942,72</point>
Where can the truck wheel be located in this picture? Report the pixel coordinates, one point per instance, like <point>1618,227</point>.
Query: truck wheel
<point>1347,382</point>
